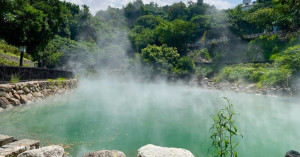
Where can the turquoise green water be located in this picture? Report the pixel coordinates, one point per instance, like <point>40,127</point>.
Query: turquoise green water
<point>107,114</point>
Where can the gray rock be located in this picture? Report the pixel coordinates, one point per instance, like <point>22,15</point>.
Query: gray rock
<point>1,109</point>
<point>10,95</point>
<point>20,92</point>
<point>17,96</point>
<point>15,102</point>
<point>156,151</point>
<point>37,94</point>
<point>292,153</point>
<point>105,153</point>
<point>5,87</point>
<point>50,151</point>
<point>26,90</point>
<point>2,93</point>
<point>29,96</point>
<point>23,99</point>
<point>4,102</point>
<point>7,95</point>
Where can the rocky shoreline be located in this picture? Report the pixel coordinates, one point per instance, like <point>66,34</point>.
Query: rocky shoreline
<point>21,93</point>
<point>250,88</point>
<point>145,151</point>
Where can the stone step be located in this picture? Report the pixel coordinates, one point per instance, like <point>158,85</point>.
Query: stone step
<point>5,139</point>
<point>13,149</point>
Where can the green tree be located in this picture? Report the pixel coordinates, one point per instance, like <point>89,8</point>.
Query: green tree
<point>148,21</point>
<point>141,37</point>
<point>51,53</point>
<point>159,59</point>
<point>133,10</point>
<point>264,18</point>
<point>85,26</point>
<point>177,11</point>
<point>290,9</point>
<point>184,68</point>
<point>176,33</point>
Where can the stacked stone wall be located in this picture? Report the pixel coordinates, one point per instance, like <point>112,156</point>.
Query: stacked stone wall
<point>25,92</point>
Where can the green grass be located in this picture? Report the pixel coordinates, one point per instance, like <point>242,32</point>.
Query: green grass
<point>11,63</point>
<point>50,80</point>
<point>61,79</point>
<point>12,51</point>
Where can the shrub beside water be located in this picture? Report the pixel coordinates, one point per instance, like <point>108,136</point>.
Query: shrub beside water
<point>224,132</point>
<point>279,73</point>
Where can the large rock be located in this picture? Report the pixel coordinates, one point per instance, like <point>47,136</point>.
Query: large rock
<point>20,92</point>
<point>23,99</point>
<point>292,153</point>
<point>50,151</point>
<point>4,102</point>
<point>15,102</point>
<point>26,90</point>
<point>156,151</point>
<point>37,95</point>
<point>7,95</point>
<point>29,96</point>
<point>17,96</point>
<point>105,153</point>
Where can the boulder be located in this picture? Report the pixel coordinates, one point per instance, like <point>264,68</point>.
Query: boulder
<point>20,92</point>
<point>37,94</point>
<point>26,90</point>
<point>4,87</point>
<point>292,153</point>
<point>2,93</point>
<point>23,99</point>
<point>29,96</point>
<point>15,102</point>
<point>4,102</point>
<point>17,96</point>
<point>1,109</point>
<point>10,95</point>
<point>50,151</point>
<point>105,153</point>
<point>157,151</point>
<point>7,95</point>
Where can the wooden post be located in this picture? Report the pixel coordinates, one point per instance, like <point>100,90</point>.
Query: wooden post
<point>21,58</point>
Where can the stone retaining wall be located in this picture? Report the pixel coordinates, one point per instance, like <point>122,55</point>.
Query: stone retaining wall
<point>24,92</point>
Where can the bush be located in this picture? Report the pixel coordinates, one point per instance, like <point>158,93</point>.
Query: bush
<point>159,59</point>
<point>261,74</point>
<point>267,46</point>
<point>200,56</point>
<point>202,72</point>
<point>223,132</point>
<point>290,59</point>
<point>14,78</point>
<point>185,67</point>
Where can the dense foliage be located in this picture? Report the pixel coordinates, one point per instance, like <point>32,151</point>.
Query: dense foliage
<point>60,34</point>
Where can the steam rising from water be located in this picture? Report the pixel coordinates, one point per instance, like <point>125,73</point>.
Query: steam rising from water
<point>110,114</point>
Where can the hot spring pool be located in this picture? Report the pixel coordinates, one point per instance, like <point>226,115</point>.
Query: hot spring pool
<point>107,114</point>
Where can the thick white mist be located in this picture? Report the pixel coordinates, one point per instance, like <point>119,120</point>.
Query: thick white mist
<point>111,113</point>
